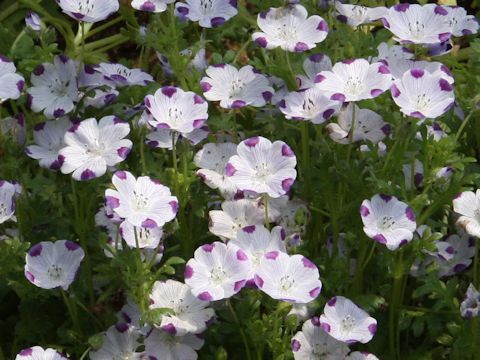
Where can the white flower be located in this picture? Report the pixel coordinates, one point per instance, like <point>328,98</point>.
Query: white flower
<point>355,15</point>
<point>290,28</point>
<point>208,13</point>
<point>48,137</point>
<point>312,65</point>
<point>189,314</point>
<point>459,22</point>
<point>164,138</point>
<point>32,20</point>
<point>312,342</point>
<point>146,237</point>
<point>38,353</point>
<point>89,10</point>
<point>454,254</point>
<point>121,342</point>
<point>236,88</point>
<point>357,355</point>
<point>345,321</point>
<point>399,67</point>
<point>288,278</point>
<point>467,205</point>
<point>91,146</point>
<point>388,221</point>
<point>118,75</point>
<point>262,167</point>
<point>417,174</point>
<point>470,306</point>
<point>217,271</point>
<point>354,80</point>
<point>160,345</point>
<point>7,201</point>
<point>142,202</point>
<point>12,83</point>
<point>155,6</point>
<point>391,54</point>
<point>53,264</point>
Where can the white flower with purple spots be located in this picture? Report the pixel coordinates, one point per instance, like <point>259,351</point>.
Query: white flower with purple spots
<point>470,306</point>
<point>418,24</point>
<point>14,127</point>
<point>236,88</point>
<point>91,146</point>
<point>388,221</point>
<point>161,345</point>
<point>290,28</point>
<point>312,65</point>
<point>148,238</point>
<point>263,167</point>
<point>355,15</point>
<point>165,138</point>
<point>89,10</point>
<point>121,341</point>
<point>49,140</point>
<point>155,6</point>
<point>188,313</point>
<point>467,205</point>
<point>417,172</point>
<point>312,342</point>
<point>208,13</point>
<point>177,110</point>
<point>12,83</point>
<point>361,355</point>
<point>288,278</point>
<point>51,265</point>
<point>118,75</point>
<point>458,20</point>
<point>390,54</point>
<point>38,353</point>
<point>422,94</point>
<point>401,66</point>
<point>211,160</point>
<point>142,202</point>
<point>311,104</point>
<point>7,201</point>
<point>345,321</point>
<point>217,271</point>
<point>454,254</point>
<point>33,22</point>
<point>354,80</point>
<point>55,87</point>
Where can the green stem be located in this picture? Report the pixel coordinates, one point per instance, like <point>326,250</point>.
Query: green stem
<point>174,153</point>
<point>85,353</point>
<point>395,303</point>
<point>142,152</point>
<point>464,123</point>
<point>92,46</point>
<point>350,135</point>
<point>104,26</point>
<point>71,311</point>
<point>291,80</point>
<point>9,11</point>
<point>267,216</point>
<point>240,328</point>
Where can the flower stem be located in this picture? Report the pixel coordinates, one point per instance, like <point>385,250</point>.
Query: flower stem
<point>267,216</point>
<point>395,303</point>
<point>71,311</point>
<point>174,153</point>
<point>291,81</point>
<point>242,333</point>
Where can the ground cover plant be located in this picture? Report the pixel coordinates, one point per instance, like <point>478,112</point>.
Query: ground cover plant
<point>222,179</point>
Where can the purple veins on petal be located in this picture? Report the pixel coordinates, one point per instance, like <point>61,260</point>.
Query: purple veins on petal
<point>30,277</point>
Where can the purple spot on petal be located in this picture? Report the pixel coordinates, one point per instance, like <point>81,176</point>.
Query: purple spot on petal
<point>121,174</point>
<point>238,104</point>
<point>258,281</point>
<point>325,326</point>
<point>70,245</point>
<point>121,327</point>
<point>459,268</point>
<point>348,61</point>
<point>261,41</point>
<point>205,86</point>
<point>174,205</point>
<point>382,69</point>
<point>267,95</point>
<point>272,255</point>
<point>149,224</point>
<point>230,170</point>
<point>314,292</point>
<point>332,301</point>
<point>295,345</point>
<point>410,214</point>
<point>380,239</point>
<point>39,126</point>
<point>319,78</point>
<point>205,296</point>
<point>376,92</point>
<point>328,113</point>
<point>308,264</point>
<point>386,198</point>
<point>401,7</point>
<point>36,250</point>
<point>241,256</point>
<point>123,152</point>
<point>169,91</point>
<point>148,6</point>
<point>20,85</point>
<point>208,247</point>
<point>39,70</point>
<point>252,142</point>
<point>417,114</point>
<point>58,113</point>
<point>440,10</point>
<point>238,285</point>
<point>364,211</point>
<point>444,36</point>
<point>445,85</point>
<point>301,47</point>
<point>287,151</point>
<point>198,99</point>
<point>217,21</point>
<point>403,242</point>
<point>287,184</point>
<point>338,97</point>
<point>30,277</point>
<point>322,26</point>
<point>249,229</point>
<point>342,18</point>
<point>87,174</point>
<point>417,73</point>
<point>169,328</point>
<point>188,272</point>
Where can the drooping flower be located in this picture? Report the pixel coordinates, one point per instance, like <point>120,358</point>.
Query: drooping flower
<point>235,215</point>
<point>312,65</point>
<point>145,237</point>
<point>208,13</point>
<point>142,202</point>
<point>290,28</point>
<point>263,167</point>
<point>345,321</point>
<point>417,178</point>
<point>33,22</point>
<point>121,342</point>
<point>49,140</point>
<point>14,127</point>
<point>454,254</point>
<point>417,24</point>
<point>288,278</point>
<point>467,205</point>
<point>12,83</point>
<point>470,306</point>
<point>459,21</point>
<point>312,342</point>
<point>292,215</point>
<point>177,110</point>
<point>51,265</point>
<point>38,353</point>
<point>188,313</point>
<point>155,6</point>
<point>354,80</point>
<point>89,10</point>
<point>217,271</point>
<point>355,15</point>
<point>236,88</point>
<point>161,345</point>
<point>55,88</point>
<point>211,160</point>
<point>310,104</point>
<point>7,201</point>
<point>91,146</point>
<point>118,75</point>
<point>388,220</point>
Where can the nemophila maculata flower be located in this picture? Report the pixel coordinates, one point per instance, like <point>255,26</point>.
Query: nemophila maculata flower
<point>12,83</point>
<point>288,278</point>
<point>458,20</point>
<point>155,6</point>
<point>7,201</point>
<point>91,146</point>
<point>454,254</point>
<point>354,80</point>
<point>391,54</point>
<point>400,67</point>
<point>145,237</point>
<point>421,94</point>
<point>118,75</point>
<point>360,355</point>
<point>161,345</point>
<point>290,28</point>
<point>417,24</point>
<point>236,88</point>
<point>141,201</point>
<point>208,13</point>
<point>368,126</point>
<point>49,140</point>
<point>311,104</point>
<point>417,178</point>
<point>355,15</point>
<point>470,306</point>
<point>177,110</point>
<point>388,221</point>
<point>188,313</point>
<point>14,127</point>
<point>312,65</point>
<point>346,322</point>
<point>90,11</point>
<point>467,205</point>
<point>33,22</point>
<point>211,160</point>
<point>51,265</point>
<point>165,138</point>
<point>312,342</point>
<point>263,167</point>
<point>217,271</point>
<point>121,341</point>
<point>54,87</point>
<point>38,353</point>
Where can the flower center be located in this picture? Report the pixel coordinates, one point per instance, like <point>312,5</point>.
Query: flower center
<point>348,323</point>
<point>218,275</point>
<point>262,171</point>
<point>175,116</point>
<point>236,88</point>
<point>206,6</point>
<point>358,13</point>
<point>125,355</point>
<point>422,102</point>
<point>416,29</point>
<point>55,272</point>
<point>354,85</point>
<point>386,223</point>
<point>287,32</point>
<point>286,283</point>
<point>310,108</point>
<point>140,201</point>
